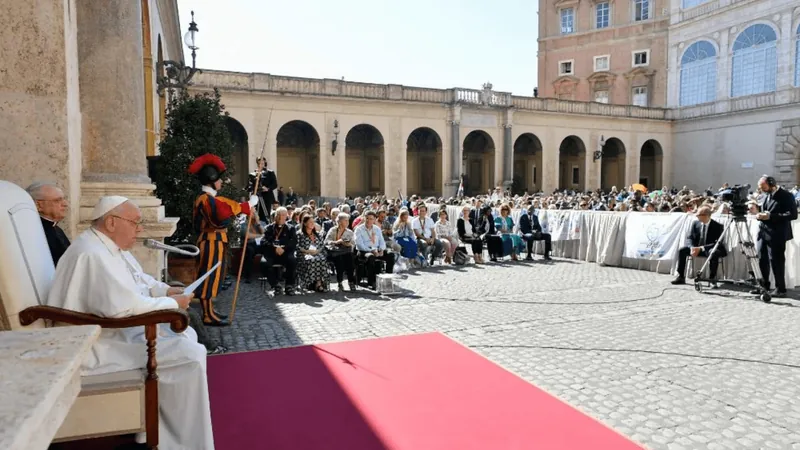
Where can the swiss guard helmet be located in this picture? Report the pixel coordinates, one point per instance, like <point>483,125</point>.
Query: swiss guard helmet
<point>208,168</point>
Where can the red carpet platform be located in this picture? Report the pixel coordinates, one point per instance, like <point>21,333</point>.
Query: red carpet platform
<point>417,392</point>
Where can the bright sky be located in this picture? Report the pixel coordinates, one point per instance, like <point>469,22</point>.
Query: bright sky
<point>426,43</point>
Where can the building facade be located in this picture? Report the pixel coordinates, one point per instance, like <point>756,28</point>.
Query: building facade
<point>335,138</point>
<point>606,51</point>
<point>79,105</point>
<point>734,86</point>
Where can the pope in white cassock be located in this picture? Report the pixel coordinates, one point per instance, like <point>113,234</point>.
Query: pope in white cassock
<point>98,276</point>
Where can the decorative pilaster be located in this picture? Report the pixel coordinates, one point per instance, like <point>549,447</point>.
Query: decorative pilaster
<point>508,148</point>
<point>112,99</point>
<point>451,187</point>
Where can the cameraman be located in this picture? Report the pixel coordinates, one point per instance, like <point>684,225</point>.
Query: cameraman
<point>777,211</point>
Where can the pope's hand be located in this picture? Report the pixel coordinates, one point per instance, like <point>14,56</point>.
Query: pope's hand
<point>183,300</point>
<point>253,201</point>
<point>174,291</point>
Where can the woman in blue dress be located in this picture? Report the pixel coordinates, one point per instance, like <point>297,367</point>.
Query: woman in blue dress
<point>504,224</point>
<point>404,236</point>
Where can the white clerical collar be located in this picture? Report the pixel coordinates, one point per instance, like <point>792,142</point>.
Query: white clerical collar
<point>210,191</point>
<point>110,245</point>
<point>52,222</point>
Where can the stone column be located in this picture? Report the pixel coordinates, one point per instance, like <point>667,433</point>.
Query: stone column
<point>723,70</point>
<point>451,187</point>
<point>785,52</point>
<point>508,156</point>
<point>112,99</point>
<point>40,118</point>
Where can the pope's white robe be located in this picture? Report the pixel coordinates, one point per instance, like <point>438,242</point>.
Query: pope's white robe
<point>95,276</point>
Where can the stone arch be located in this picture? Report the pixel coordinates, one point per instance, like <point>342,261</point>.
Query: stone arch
<point>298,164</point>
<point>239,156</point>
<point>527,164</point>
<point>572,164</point>
<point>424,162</point>
<point>364,151</point>
<point>651,165</point>
<point>612,165</point>
<point>479,163</point>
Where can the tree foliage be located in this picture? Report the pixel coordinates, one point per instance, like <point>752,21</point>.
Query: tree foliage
<point>195,125</point>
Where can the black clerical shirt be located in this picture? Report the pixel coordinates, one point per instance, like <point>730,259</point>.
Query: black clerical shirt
<point>57,240</point>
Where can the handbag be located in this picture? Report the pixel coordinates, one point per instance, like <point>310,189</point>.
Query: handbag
<point>460,256</point>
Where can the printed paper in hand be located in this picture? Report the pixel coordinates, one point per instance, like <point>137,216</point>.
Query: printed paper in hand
<point>192,287</point>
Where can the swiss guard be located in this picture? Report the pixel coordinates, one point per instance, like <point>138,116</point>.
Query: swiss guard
<point>211,217</point>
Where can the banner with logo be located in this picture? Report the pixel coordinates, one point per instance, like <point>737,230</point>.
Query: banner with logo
<point>653,236</point>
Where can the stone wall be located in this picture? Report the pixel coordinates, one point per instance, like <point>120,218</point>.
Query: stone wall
<point>787,152</point>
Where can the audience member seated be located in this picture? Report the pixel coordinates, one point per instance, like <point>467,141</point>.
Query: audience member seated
<point>404,236</point>
<point>702,237</point>
<point>340,243</point>
<point>512,243</point>
<point>447,236</point>
<point>487,232</point>
<point>278,248</point>
<point>423,226</point>
<point>372,248</point>
<point>251,247</point>
<point>467,236</point>
<point>52,207</point>
<point>388,234</point>
<point>312,260</point>
<point>531,232</point>
<point>97,275</point>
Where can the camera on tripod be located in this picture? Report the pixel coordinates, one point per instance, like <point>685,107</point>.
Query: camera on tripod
<point>737,196</point>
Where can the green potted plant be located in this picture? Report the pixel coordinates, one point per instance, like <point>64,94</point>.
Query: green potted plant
<point>195,125</point>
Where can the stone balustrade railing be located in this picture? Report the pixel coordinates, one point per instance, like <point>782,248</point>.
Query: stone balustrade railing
<point>235,81</point>
<point>730,105</point>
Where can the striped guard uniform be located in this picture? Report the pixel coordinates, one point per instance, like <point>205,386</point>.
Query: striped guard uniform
<point>211,217</point>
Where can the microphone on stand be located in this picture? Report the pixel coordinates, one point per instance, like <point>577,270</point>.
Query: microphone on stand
<point>156,245</point>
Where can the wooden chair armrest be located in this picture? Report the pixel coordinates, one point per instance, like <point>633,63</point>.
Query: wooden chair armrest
<point>176,318</point>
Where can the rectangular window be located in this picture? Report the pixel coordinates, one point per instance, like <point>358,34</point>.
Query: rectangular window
<point>601,96</point>
<point>602,63</point>
<point>576,176</point>
<point>641,10</point>
<point>567,21</point>
<point>640,58</point>
<point>602,15</point>
<point>565,67</point>
<point>640,96</point>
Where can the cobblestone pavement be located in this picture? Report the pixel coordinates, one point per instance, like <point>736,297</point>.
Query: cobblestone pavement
<point>667,366</point>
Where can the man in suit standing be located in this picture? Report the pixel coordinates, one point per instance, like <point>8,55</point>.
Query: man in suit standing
<point>532,231</point>
<point>777,211</point>
<point>52,207</point>
<point>703,235</point>
<point>267,190</point>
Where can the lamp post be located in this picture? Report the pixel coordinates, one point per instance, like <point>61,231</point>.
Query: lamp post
<point>335,141</point>
<point>600,144</point>
<point>176,75</point>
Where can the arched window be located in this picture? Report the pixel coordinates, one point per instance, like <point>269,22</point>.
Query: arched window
<point>797,59</point>
<point>755,61</point>
<point>699,74</point>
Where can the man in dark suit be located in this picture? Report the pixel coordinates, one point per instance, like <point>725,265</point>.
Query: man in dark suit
<point>267,188</point>
<point>532,231</point>
<point>52,207</point>
<point>703,235</point>
<point>278,247</point>
<point>777,211</point>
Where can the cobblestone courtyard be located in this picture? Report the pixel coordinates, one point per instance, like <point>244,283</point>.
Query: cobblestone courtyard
<point>667,366</point>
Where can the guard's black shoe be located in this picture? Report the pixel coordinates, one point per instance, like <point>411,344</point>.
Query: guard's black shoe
<point>778,294</point>
<point>216,323</point>
<point>679,280</point>
<point>220,315</point>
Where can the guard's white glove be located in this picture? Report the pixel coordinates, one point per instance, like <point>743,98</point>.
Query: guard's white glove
<point>253,201</point>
